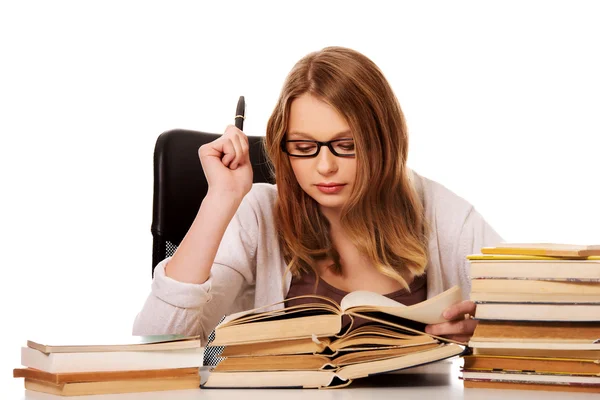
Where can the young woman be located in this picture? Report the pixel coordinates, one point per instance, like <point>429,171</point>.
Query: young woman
<point>346,213</point>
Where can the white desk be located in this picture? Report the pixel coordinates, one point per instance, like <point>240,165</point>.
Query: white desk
<point>440,382</point>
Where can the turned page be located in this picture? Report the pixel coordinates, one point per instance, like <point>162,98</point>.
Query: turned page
<point>427,312</point>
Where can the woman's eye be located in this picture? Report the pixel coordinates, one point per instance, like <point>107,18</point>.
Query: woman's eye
<point>346,146</point>
<point>305,148</point>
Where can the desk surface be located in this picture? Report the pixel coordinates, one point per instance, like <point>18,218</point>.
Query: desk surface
<point>436,382</point>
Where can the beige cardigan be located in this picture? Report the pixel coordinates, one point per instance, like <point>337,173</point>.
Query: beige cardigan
<point>249,268</point>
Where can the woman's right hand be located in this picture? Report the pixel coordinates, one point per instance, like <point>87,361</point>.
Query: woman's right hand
<point>226,163</point>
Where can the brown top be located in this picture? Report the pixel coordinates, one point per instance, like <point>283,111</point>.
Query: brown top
<point>306,285</point>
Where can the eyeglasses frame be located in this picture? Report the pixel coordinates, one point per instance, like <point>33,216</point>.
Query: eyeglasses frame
<point>319,145</point>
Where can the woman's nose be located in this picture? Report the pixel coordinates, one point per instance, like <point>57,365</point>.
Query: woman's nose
<point>326,162</point>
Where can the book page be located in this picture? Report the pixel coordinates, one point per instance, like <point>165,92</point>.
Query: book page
<point>427,312</point>
<point>280,308</point>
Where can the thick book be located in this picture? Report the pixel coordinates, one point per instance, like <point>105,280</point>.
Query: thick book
<point>538,312</point>
<point>103,376</point>
<point>532,377</point>
<point>537,332</point>
<point>371,336</point>
<point>110,387</point>
<point>323,317</point>
<point>575,366</point>
<point>276,347</point>
<point>87,344</point>
<point>501,297</point>
<point>494,384</point>
<point>111,361</point>
<point>534,267</point>
<point>569,346</point>
<point>548,353</point>
<point>572,289</point>
<point>293,362</point>
<point>544,249</point>
<point>337,376</point>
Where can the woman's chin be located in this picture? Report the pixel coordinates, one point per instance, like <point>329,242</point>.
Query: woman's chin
<point>329,202</point>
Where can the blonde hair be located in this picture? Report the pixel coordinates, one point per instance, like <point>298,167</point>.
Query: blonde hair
<point>384,215</point>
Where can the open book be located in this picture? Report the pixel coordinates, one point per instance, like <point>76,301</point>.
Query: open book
<point>324,319</point>
<point>307,345</point>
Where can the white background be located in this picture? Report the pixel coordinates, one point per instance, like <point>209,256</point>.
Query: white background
<point>501,99</point>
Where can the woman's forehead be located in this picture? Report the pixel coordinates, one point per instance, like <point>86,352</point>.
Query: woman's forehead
<point>312,118</point>
<point>321,137</point>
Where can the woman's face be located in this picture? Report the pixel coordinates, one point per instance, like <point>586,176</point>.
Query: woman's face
<point>326,178</point>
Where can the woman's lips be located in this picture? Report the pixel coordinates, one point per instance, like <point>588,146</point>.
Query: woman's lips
<point>331,189</point>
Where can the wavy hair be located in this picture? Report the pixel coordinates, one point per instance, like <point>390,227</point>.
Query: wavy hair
<point>384,216</point>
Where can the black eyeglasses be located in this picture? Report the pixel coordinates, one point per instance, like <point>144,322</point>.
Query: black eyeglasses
<point>311,148</point>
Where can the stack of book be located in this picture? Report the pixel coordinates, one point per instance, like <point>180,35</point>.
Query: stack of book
<point>538,307</point>
<point>135,364</point>
<point>320,343</point>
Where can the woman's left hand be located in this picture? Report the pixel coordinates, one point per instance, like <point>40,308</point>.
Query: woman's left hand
<point>459,327</point>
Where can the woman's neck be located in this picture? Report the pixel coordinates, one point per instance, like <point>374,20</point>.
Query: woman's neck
<point>336,231</point>
<point>333,217</point>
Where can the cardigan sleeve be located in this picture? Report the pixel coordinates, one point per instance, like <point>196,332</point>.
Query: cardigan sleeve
<point>174,307</point>
<point>475,234</point>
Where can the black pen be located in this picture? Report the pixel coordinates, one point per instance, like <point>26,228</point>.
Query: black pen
<point>239,113</point>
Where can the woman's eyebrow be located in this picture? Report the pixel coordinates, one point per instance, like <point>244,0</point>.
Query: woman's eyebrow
<point>297,134</point>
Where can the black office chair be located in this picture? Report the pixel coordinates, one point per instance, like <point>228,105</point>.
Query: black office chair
<point>179,187</point>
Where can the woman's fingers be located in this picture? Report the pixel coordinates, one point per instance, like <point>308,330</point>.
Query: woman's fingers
<point>458,310</point>
<point>235,147</point>
<point>242,148</point>
<point>232,148</point>
<point>239,151</point>
<point>458,328</point>
<point>459,338</point>
<point>463,327</point>
<point>245,145</point>
<point>228,151</point>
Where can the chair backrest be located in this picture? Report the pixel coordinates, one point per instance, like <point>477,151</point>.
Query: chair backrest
<point>180,185</point>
